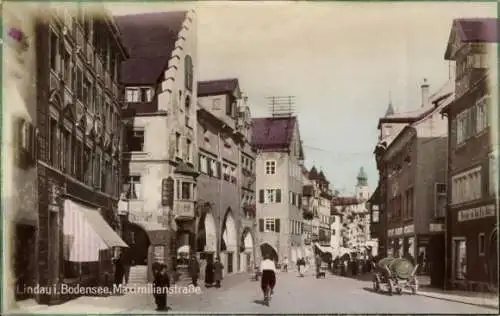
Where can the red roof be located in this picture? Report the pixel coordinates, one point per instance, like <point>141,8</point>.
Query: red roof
<point>215,87</point>
<point>150,39</point>
<point>273,132</point>
<point>344,200</point>
<point>478,30</point>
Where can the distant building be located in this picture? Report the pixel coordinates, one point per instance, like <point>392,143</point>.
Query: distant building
<point>472,215</point>
<point>226,185</point>
<point>279,184</point>
<point>159,165</point>
<point>355,216</point>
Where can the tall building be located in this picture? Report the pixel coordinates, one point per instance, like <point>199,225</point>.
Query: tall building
<point>226,185</point>
<point>416,200</point>
<point>160,119</point>
<point>472,215</point>
<point>279,184</point>
<point>19,173</point>
<point>78,117</point>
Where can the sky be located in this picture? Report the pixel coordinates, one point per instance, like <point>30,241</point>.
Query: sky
<point>341,61</point>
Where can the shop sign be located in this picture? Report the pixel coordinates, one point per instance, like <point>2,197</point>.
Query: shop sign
<point>390,232</point>
<point>434,228</point>
<point>409,229</point>
<point>476,213</point>
<point>398,231</point>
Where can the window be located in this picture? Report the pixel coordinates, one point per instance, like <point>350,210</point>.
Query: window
<point>53,142</point>
<point>466,186</point>
<point>87,165</point>
<point>132,95</point>
<point>216,104</point>
<point>203,167</point>
<point>481,244</point>
<point>188,151</point>
<point>97,169</point>
<point>493,174</point>
<point>132,187</point>
<point>54,52</point>
<point>271,196</point>
<point>334,232</point>
<point>178,144</point>
<point>66,150</point>
<point>146,95</point>
<point>460,258</point>
<point>77,159</point>
<point>227,172</point>
<point>270,224</point>
<point>441,200</point>
<point>135,140</point>
<point>229,108</point>
<point>186,190</point>
<point>78,84</point>
<point>66,66</point>
<point>187,111</point>
<point>375,217</point>
<point>481,115</point>
<point>271,167</point>
<point>188,73</point>
<point>233,175</point>
<point>86,96</point>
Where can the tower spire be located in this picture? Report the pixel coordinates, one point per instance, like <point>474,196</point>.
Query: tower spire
<point>390,108</point>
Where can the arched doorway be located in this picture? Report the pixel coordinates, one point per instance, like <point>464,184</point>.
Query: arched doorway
<point>247,250</point>
<point>207,235</point>
<point>139,243</point>
<point>266,248</point>
<point>229,241</point>
<point>493,258</point>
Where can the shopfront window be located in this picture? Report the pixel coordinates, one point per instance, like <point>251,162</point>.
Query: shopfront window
<point>460,258</point>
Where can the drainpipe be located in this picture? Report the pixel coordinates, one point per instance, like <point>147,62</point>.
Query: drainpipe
<point>219,192</point>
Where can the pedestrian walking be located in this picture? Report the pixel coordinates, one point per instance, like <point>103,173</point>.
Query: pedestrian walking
<point>285,264</point>
<point>194,270</point>
<point>119,270</point>
<point>126,259</point>
<point>218,270</point>
<point>301,263</point>
<point>161,284</point>
<point>209,273</point>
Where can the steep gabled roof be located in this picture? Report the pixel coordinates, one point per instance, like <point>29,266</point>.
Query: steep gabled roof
<point>150,39</point>
<point>273,132</point>
<point>216,87</point>
<point>472,30</point>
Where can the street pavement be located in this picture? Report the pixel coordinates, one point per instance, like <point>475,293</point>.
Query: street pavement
<point>293,295</point>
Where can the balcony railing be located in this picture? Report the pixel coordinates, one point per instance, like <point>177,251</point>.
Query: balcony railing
<point>184,209</point>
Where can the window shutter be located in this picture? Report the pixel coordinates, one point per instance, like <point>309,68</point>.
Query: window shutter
<point>278,195</point>
<point>261,225</point>
<point>261,196</point>
<point>219,172</point>
<point>453,131</point>
<point>277,224</point>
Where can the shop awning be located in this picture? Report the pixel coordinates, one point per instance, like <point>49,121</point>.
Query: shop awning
<point>325,249</point>
<point>158,235</point>
<point>86,233</point>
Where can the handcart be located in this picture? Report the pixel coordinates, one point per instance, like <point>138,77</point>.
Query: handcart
<point>394,275</point>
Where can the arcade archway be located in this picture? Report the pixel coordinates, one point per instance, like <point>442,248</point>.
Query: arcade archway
<point>207,234</point>
<point>266,248</point>
<point>247,256</point>
<point>139,243</point>
<point>229,241</point>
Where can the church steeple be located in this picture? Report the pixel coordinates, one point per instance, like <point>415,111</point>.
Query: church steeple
<point>362,178</point>
<point>390,108</point>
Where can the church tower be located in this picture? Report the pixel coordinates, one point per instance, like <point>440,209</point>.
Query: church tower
<point>362,190</point>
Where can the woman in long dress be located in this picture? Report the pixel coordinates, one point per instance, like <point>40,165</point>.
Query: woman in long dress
<point>209,273</point>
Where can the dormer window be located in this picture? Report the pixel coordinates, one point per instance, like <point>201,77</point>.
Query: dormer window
<point>142,94</point>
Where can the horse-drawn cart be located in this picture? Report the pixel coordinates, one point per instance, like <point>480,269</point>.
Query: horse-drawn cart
<point>395,274</point>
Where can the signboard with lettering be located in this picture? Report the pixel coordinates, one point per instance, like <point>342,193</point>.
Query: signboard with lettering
<point>398,231</point>
<point>476,213</point>
<point>434,228</point>
<point>409,229</point>
<point>167,192</point>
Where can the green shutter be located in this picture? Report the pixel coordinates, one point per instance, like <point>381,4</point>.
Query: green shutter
<point>278,195</point>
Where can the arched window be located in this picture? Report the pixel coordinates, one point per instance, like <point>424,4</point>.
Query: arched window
<point>187,109</point>
<point>188,73</point>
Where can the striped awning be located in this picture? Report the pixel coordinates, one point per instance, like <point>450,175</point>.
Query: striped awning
<point>86,233</point>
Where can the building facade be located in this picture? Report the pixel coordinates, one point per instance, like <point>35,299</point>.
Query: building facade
<point>19,172</point>
<point>78,117</point>
<point>416,200</point>
<point>226,185</point>
<point>472,215</point>
<point>279,185</point>
<point>159,172</point>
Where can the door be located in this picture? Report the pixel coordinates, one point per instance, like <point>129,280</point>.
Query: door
<point>24,260</point>
<point>493,260</point>
<point>435,251</point>
<point>229,262</point>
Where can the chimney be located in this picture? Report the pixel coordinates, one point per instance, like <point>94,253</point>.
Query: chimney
<point>425,92</point>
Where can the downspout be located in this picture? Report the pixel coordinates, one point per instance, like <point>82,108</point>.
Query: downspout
<point>219,191</point>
